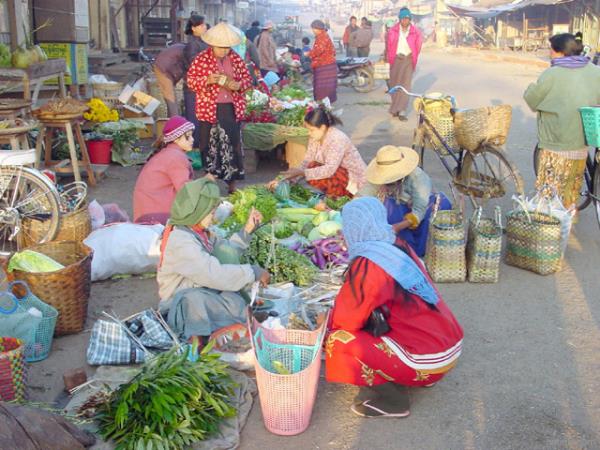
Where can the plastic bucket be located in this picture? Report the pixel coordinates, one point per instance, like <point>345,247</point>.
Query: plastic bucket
<point>100,151</point>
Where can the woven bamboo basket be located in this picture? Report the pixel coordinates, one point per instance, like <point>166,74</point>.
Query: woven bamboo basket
<point>439,114</point>
<point>74,226</point>
<point>381,70</point>
<point>13,370</point>
<point>106,90</point>
<point>68,289</point>
<point>490,125</point>
<point>445,256</point>
<point>484,248</point>
<point>534,242</point>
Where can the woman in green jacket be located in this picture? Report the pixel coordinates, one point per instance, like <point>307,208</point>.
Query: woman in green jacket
<point>570,83</point>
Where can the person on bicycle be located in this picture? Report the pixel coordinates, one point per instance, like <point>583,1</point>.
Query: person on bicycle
<point>406,191</point>
<point>403,46</point>
<point>556,98</point>
<point>165,173</point>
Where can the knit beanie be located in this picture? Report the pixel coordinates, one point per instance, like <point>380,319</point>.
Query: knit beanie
<point>176,127</point>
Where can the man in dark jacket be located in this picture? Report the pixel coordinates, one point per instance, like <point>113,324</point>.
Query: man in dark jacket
<point>253,31</point>
<point>169,68</point>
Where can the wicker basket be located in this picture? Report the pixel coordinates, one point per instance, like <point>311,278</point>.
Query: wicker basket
<point>13,370</point>
<point>106,91</point>
<point>74,226</point>
<point>381,70</point>
<point>445,256</point>
<point>68,289</point>
<point>475,127</point>
<point>484,248</point>
<point>439,114</point>
<point>287,400</point>
<point>534,242</point>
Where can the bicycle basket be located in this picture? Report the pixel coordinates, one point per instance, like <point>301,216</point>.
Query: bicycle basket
<point>439,114</point>
<point>482,125</point>
<point>590,116</point>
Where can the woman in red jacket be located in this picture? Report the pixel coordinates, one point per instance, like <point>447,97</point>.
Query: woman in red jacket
<point>220,78</point>
<point>323,63</point>
<point>420,340</point>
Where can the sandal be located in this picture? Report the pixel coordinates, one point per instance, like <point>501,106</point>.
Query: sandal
<point>366,409</point>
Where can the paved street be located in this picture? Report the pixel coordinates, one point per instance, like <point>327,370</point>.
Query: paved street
<point>529,374</point>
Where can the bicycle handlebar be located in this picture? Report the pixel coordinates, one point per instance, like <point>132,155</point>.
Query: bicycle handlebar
<point>399,87</point>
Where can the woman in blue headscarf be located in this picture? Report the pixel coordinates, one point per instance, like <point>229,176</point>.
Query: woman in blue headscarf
<point>389,327</point>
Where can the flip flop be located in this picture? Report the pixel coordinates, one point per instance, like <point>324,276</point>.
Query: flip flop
<point>365,409</point>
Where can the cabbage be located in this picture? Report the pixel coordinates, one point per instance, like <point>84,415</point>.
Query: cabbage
<point>329,228</point>
<point>314,234</point>
<point>21,58</point>
<point>30,261</point>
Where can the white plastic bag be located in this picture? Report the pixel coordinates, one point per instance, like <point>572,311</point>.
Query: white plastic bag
<point>124,248</point>
<point>97,214</point>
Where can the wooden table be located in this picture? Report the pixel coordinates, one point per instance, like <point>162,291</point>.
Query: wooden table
<point>35,75</point>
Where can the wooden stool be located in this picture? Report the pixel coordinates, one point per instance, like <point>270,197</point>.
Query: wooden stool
<point>14,109</point>
<point>45,136</point>
<point>17,141</point>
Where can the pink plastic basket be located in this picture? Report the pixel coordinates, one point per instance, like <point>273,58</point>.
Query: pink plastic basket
<point>287,401</point>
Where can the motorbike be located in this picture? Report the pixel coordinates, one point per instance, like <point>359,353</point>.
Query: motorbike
<point>356,73</point>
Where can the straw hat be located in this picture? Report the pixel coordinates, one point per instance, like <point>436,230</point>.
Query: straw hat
<point>268,25</point>
<point>392,164</point>
<point>222,35</point>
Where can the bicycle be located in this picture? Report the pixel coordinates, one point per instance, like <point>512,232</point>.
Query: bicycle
<point>482,175</point>
<point>25,193</point>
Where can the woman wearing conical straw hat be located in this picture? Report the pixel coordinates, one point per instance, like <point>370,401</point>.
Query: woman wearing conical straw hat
<point>220,79</point>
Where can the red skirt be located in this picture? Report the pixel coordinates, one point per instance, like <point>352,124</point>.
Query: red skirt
<point>361,359</point>
<point>334,186</point>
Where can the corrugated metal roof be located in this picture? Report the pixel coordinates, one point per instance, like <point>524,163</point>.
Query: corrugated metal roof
<point>478,12</point>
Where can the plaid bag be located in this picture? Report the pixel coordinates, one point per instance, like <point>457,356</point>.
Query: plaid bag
<point>110,344</point>
<point>150,332</point>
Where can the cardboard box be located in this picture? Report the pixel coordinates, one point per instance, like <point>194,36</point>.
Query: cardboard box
<point>149,130</point>
<point>76,57</point>
<point>138,101</point>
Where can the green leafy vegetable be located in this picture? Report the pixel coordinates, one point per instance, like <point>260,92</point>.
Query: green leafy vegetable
<point>300,194</point>
<point>171,404</point>
<point>243,200</point>
<point>293,117</point>
<point>281,262</point>
<point>292,92</point>
<point>337,203</point>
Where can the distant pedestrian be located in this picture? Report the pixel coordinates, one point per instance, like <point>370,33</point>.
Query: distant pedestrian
<point>570,83</point>
<point>195,28</point>
<point>403,47</point>
<point>323,64</point>
<point>253,31</point>
<point>267,49</point>
<point>361,38</point>
<point>351,28</point>
<point>305,45</point>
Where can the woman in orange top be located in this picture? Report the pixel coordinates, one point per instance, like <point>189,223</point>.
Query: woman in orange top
<point>323,64</point>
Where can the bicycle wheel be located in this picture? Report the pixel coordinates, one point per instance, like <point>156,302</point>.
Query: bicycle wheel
<point>596,193</point>
<point>584,196</point>
<point>25,194</point>
<point>489,178</point>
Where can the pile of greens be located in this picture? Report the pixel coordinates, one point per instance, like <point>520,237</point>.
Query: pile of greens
<point>282,263</point>
<point>170,404</point>
<point>292,92</point>
<point>244,200</point>
<point>300,194</point>
<point>337,203</point>
<point>293,117</point>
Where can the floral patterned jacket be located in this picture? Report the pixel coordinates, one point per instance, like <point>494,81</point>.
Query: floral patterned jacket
<point>206,94</point>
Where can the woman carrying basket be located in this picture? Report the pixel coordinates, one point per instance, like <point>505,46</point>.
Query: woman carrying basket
<point>389,326</point>
<point>406,191</point>
<point>570,83</point>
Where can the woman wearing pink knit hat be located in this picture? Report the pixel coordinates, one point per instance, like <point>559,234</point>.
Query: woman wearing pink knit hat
<point>165,173</point>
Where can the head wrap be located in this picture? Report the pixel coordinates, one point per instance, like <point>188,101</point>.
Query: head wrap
<point>176,127</point>
<point>194,201</point>
<point>318,25</point>
<point>405,13</point>
<point>368,234</point>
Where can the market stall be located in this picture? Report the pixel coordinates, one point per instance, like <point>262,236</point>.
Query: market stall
<point>277,121</point>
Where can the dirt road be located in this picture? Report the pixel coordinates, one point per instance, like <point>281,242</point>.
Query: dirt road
<point>528,377</point>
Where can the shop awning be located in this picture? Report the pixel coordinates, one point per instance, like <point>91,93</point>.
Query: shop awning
<point>487,13</point>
